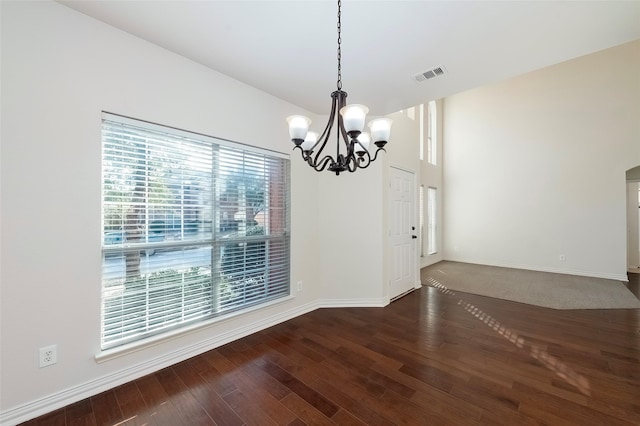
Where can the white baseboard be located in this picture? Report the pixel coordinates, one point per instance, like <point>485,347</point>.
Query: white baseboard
<point>16,415</point>
<point>582,273</point>
<point>353,303</point>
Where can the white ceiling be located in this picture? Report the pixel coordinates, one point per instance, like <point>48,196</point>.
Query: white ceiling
<point>288,48</point>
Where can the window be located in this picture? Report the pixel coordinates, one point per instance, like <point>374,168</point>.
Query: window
<point>421,132</point>
<point>431,133</point>
<point>432,196</point>
<point>411,113</point>
<point>193,227</point>
<point>421,221</point>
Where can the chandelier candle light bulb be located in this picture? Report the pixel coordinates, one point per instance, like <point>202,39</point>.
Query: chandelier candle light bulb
<point>352,152</point>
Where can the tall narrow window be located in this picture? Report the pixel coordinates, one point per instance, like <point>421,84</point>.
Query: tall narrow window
<point>411,113</point>
<point>193,227</point>
<point>432,143</point>
<point>421,132</point>
<point>421,221</point>
<point>432,220</point>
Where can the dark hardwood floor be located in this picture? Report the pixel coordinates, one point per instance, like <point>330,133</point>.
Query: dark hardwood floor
<point>432,357</point>
<point>634,284</point>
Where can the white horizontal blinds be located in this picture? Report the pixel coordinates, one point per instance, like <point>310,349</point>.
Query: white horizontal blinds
<point>157,196</point>
<point>191,228</point>
<point>159,297</point>
<point>155,185</point>
<point>252,239</point>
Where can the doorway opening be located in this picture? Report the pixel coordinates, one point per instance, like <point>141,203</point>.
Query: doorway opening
<point>633,220</point>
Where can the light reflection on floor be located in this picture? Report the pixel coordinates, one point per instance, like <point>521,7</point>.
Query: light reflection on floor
<point>536,352</point>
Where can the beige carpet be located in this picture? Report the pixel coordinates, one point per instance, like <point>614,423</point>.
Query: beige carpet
<point>557,291</point>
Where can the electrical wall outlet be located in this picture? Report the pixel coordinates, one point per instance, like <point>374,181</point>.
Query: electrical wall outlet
<point>299,285</point>
<point>563,257</point>
<point>48,355</point>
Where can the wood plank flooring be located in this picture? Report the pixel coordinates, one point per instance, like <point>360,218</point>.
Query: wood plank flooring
<point>434,357</point>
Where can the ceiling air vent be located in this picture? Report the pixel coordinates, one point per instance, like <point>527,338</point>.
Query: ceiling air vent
<point>429,74</point>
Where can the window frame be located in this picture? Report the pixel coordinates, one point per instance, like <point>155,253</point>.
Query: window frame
<point>421,220</point>
<point>432,220</point>
<point>421,137</point>
<point>270,246</point>
<point>432,139</point>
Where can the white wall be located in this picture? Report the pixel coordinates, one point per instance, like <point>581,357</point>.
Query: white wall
<point>353,211</point>
<point>350,230</point>
<point>534,167</point>
<point>60,69</point>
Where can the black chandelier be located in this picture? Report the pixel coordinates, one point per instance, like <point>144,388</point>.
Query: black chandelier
<point>350,120</point>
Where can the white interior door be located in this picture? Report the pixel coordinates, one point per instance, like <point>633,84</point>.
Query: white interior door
<point>403,231</point>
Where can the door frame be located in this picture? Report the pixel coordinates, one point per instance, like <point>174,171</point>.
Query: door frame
<point>633,227</point>
<point>632,220</point>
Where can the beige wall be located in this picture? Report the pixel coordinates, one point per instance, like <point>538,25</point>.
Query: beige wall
<point>534,167</point>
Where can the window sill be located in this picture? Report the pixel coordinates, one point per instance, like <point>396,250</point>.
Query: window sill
<point>129,348</point>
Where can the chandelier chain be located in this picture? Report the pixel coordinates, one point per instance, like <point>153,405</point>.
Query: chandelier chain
<point>339,83</point>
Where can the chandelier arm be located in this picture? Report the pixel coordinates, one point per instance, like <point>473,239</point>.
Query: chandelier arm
<point>323,141</point>
<point>323,163</point>
<point>338,140</point>
<point>360,159</point>
<point>348,145</point>
<point>371,160</point>
<point>342,102</point>
<point>317,166</point>
<point>305,157</point>
<point>356,143</point>
<point>352,160</point>
<point>327,130</point>
<point>362,164</point>
<point>324,137</point>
